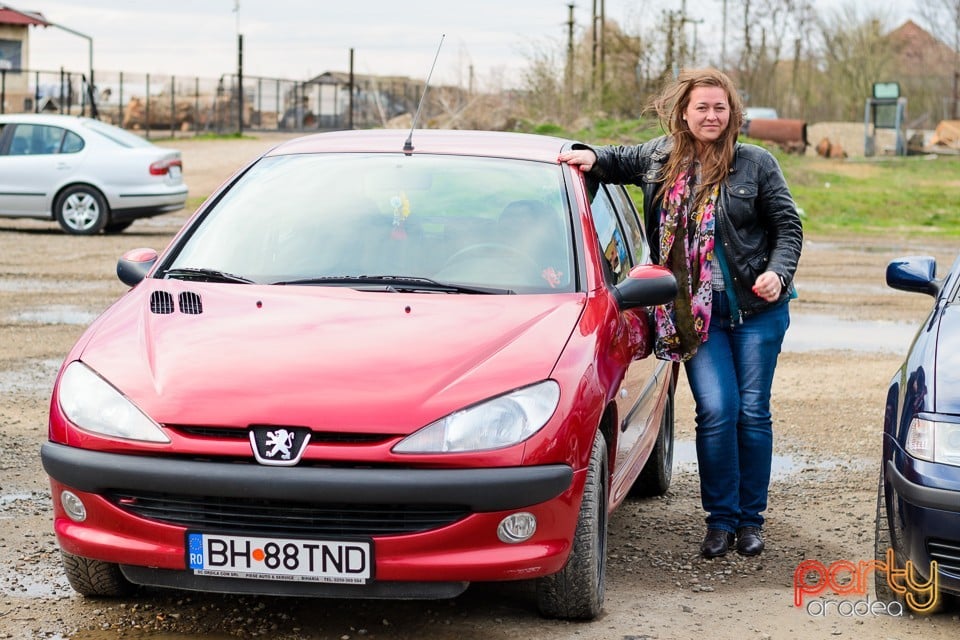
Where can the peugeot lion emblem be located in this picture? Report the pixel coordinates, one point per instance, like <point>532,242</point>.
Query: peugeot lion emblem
<point>279,446</point>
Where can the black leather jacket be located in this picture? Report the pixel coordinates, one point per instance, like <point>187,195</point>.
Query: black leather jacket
<point>757,219</point>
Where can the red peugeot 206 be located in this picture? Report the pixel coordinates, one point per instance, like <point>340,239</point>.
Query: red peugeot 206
<point>371,365</point>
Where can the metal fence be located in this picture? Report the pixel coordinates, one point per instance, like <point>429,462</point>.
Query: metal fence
<point>177,106</point>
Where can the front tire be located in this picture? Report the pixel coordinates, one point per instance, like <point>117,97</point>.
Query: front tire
<point>882,541</point>
<point>94,578</point>
<point>577,591</point>
<point>81,210</point>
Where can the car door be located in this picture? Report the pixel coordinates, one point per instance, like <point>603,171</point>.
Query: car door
<point>31,168</point>
<point>624,246</point>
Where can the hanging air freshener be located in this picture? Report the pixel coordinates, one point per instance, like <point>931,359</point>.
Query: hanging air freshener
<point>401,209</point>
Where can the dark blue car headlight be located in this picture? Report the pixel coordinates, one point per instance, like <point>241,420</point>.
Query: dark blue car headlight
<point>934,441</point>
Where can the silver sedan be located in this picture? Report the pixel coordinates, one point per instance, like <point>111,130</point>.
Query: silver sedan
<point>87,175</point>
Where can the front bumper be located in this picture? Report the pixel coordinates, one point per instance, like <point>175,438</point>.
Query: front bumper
<point>482,490</point>
<point>927,522</point>
<point>464,550</point>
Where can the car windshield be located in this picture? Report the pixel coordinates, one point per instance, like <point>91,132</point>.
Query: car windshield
<point>388,222</point>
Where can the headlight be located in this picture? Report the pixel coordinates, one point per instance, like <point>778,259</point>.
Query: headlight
<point>91,403</point>
<point>498,422</point>
<point>934,441</point>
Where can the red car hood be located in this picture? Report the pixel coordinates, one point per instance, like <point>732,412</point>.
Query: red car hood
<point>329,358</point>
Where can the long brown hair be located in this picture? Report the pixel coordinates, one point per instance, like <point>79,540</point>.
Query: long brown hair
<point>717,157</point>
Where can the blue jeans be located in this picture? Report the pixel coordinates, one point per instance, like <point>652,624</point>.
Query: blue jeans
<point>730,377</point>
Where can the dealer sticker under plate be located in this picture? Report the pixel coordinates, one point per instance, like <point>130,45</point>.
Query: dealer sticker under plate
<point>338,561</point>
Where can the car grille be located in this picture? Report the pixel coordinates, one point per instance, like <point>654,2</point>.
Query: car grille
<point>946,553</point>
<point>271,517</point>
<point>316,437</point>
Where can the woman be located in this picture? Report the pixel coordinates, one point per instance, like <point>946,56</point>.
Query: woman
<point>720,216</point>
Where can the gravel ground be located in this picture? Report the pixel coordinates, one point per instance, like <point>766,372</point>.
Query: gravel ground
<point>828,405</point>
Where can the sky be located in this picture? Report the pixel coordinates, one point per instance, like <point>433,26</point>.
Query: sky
<point>299,39</point>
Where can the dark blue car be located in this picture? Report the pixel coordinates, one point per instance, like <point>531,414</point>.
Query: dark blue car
<point>918,502</point>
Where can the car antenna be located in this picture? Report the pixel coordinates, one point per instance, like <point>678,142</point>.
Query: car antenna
<point>408,144</point>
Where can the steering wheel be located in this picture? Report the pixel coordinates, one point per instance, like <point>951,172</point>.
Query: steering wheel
<point>493,247</point>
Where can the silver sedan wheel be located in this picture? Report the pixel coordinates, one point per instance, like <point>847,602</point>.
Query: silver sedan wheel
<point>81,210</point>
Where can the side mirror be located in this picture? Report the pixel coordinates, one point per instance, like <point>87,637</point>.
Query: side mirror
<point>917,274</point>
<point>645,286</point>
<point>134,265</point>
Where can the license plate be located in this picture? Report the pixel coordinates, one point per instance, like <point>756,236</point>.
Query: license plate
<point>295,559</point>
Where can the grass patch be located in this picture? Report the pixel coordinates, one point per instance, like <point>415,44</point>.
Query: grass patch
<point>214,137</point>
<point>914,194</point>
<point>194,202</point>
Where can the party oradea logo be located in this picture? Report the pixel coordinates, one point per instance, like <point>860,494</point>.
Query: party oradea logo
<point>847,578</point>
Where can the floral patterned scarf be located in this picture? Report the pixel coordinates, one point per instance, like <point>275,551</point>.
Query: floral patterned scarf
<point>686,248</point>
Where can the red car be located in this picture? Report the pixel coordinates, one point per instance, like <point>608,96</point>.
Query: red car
<point>366,368</point>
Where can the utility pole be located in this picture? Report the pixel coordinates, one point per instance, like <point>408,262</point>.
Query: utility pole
<point>598,30</point>
<point>723,41</point>
<point>603,42</point>
<point>956,62</point>
<point>240,83</point>
<point>695,38</point>
<point>350,99</point>
<point>570,51</point>
<point>594,45</point>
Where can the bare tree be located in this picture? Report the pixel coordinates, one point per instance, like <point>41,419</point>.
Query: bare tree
<point>773,33</point>
<point>942,19</point>
<point>544,96</point>
<point>855,54</point>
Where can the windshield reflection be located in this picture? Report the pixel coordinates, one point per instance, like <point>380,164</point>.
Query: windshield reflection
<point>493,223</point>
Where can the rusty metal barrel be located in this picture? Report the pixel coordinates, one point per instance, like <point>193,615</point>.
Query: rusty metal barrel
<point>781,130</point>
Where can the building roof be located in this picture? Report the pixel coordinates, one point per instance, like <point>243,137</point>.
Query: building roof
<point>920,52</point>
<point>342,78</point>
<point>25,18</point>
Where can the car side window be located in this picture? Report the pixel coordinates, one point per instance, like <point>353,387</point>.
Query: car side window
<point>72,143</point>
<point>20,142</point>
<point>635,235</point>
<point>613,243</point>
<point>33,140</point>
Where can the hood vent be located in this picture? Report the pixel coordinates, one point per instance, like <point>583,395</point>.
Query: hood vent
<point>190,303</point>
<point>161,302</point>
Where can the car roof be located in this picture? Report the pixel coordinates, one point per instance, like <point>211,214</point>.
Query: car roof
<point>497,144</point>
<point>760,112</point>
<point>57,119</point>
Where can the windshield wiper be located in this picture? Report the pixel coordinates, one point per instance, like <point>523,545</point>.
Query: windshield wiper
<point>206,275</point>
<point>401,283</point>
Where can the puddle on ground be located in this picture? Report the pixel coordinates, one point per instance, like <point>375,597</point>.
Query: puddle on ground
<point>864,288</point>
<point>896,249</point>
<point>56,314</point>
<point>782,466</point>
<point>39,585</point>
<point>15,285</point>
<point>10,498</point>
<point>815,332</point>
<point>33,377</point>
